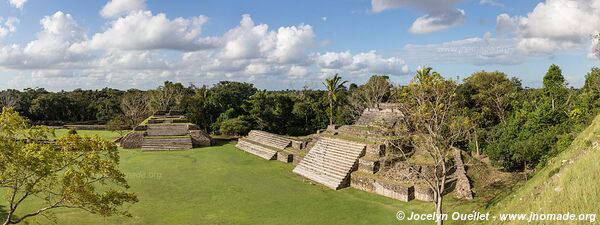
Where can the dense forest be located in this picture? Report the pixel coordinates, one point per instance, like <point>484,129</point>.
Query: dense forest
<point>517,127</point>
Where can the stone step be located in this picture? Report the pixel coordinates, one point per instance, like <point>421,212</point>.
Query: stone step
<point>330,161</point>
<point>324,180</point>
<point>328,168</point>
<point>167,130</point>
<point>269,139</point>
<point>167,143</point>
<point>256,149</point>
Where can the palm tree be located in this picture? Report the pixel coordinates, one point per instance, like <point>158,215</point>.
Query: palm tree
<point>333,85</point>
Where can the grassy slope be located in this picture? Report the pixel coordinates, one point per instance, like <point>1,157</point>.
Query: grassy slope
<point>569,183</point>
<point>222,185</point>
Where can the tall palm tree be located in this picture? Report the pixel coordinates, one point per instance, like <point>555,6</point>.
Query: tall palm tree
<point>333,85</point>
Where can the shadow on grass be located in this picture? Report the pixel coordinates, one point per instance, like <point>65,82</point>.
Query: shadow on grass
<point>222,141</point>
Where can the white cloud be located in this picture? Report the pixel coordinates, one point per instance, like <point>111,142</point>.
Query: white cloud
<point>142,49</point>
<point>286,45</point>
<point>486,50</point>
<point>143,31</point>
<point>491,2</point>
<point>366,63</point>
<point>425,5</point>
<point>555,25</point>
<point>432,23</point>
<point>440,14</point>
<point>51,48</point>
<point>17,3</point>
<point>116,8</point>
<point>8,26</point>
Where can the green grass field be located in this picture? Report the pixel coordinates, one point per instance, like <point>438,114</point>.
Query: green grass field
<point>223,185</point>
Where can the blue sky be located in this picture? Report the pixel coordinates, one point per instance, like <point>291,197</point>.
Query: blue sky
<point>62,45</point>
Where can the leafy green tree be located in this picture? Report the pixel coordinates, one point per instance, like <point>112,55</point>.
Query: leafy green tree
<point>227,97</point>
<point>492,95</point>
<point>75,172</point>
<point>555,85</point>
<point>235,127</point>
<point>333,86</point>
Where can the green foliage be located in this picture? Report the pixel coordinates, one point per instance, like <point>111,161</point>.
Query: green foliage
<point>72,131</point>
<point>235,127</point>
<point>333,86</point>
<point>75,172</point>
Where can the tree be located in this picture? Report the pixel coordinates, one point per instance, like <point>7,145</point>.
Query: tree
<point>9,98</point>
<point>435,122</point>
<point>235,127</point>
<point>555,85</point>
<point>167,97</point>
<point>492,95</point>
<point>135,107</point>
<point>333,86</point>
<point>225,101</point>
<point>75,172</point>
<point>376,90</point>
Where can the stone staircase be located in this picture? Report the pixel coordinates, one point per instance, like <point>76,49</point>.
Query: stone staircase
<point>330,162</point>
<point>167,130</point>
<point>256,149</point>
<point>167,143</point>
<point>269,139</point>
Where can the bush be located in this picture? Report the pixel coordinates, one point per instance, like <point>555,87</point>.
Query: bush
<point>235,127</point>
<point>72,131</point>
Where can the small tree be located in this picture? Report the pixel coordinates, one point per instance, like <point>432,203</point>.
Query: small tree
<point>135,107</point>
<point>118,124</point>
<point>435,122</point>
<point>75,172</point>
<point>555,85</point>
<point>333,85</point>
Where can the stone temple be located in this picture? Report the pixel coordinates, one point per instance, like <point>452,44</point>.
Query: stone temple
<point>166,131</point>
<point>355,156</point>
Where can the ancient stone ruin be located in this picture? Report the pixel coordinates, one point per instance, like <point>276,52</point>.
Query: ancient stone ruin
<point>166,131</point>
<point>359,156</point>
<point>270,146</point>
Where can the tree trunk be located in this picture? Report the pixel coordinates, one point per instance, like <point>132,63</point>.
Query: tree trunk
<point>439,199</point>
<point>331,110</point>
<point>477,144</point>
<point>7,221</point>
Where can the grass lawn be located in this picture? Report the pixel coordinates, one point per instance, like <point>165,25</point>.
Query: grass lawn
<point>223,185</point>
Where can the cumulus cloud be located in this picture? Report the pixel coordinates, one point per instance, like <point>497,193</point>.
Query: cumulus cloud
<point>440,14</point>
<point>17,3</point>
<point>143,31</point>
<point>366,63</point>
<point>486,50</point>
<point>554,25</point>
<point>116,8</point>
<point>8,25</point>
<point>432,23</point>
<point>286,45</point>
<point>51,47</point>
<point>142,49</point>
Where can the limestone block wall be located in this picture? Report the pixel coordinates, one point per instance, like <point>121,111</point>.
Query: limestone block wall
<point>370,184</point>
<point>368,166</point>
<point>200,138</point>
<point>463,186</point>
<point>132,140</point>
<point>424,193</point>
